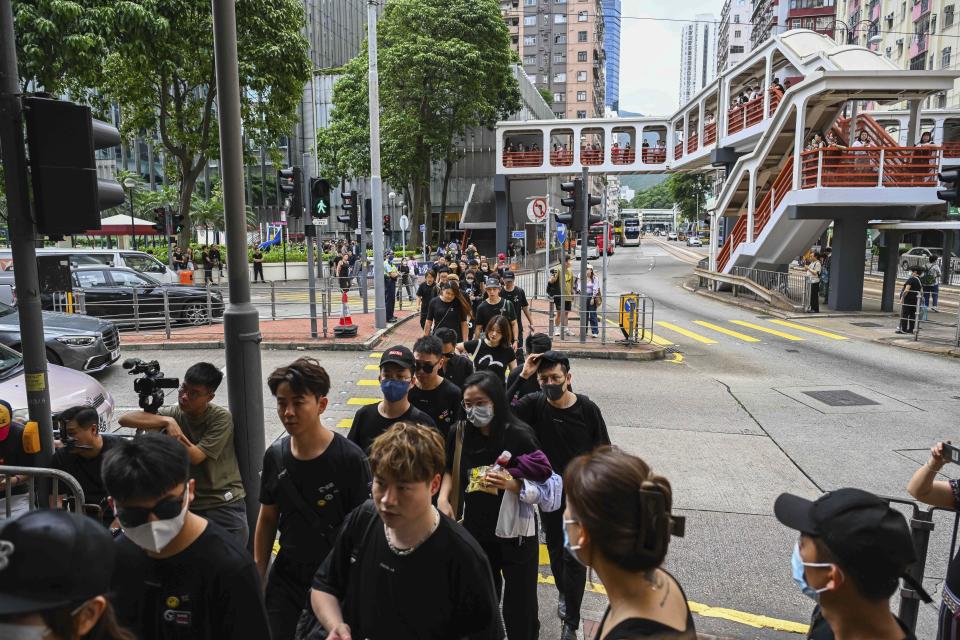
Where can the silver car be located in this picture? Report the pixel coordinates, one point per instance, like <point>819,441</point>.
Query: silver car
<point>68,388</point>
<point>920,257</point>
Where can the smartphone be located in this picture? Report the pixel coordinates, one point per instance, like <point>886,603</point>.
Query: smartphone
<point>951,453</point>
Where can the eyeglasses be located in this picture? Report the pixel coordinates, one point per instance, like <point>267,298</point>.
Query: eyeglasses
<point>165,509</point>
<point>426,367</point>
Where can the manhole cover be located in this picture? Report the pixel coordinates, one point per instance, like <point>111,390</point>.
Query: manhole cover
<point>866,324</point>
<point>671,349</point>
<point>840,398</point>
<point>793,351</point>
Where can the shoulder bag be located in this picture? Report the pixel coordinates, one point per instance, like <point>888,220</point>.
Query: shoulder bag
<point>457,455</point>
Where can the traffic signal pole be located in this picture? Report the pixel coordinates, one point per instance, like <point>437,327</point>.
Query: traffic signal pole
<point>376,189</point>
<point>241,323</point>
<point>584,251</point>
<point>23,240</point>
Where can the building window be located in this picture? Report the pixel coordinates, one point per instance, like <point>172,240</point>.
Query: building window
<point>530,60</point>
<point>560,39</point>
<point>582,115</point>
<point>581,76</point>
<point>530,40</point>
<point>736,34</point>
<point>581,96</point>
<point>948,16</point>
<point>530,21</point>
<point>529,3</point>
<point>559,18</point>
<point>582,16</point>
<point>581,56</point>
<point>824,22</point>
<point>558,97</point>
<point>560,57</point>
<point>581,36</point>
<point>560,77</point>
<point>945,58</point>
<point>737,48</point>
<point>941,101</point>
<point>736,19</point>
<point>559,114</point>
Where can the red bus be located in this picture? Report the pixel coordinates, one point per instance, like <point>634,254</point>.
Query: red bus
<point>596,233</point>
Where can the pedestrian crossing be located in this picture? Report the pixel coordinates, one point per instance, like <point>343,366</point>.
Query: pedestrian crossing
<point>672,334</point>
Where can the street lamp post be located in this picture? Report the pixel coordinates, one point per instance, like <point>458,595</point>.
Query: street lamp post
<point>130,184</point>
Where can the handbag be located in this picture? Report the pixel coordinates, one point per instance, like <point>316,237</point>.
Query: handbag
<point>457,455</point>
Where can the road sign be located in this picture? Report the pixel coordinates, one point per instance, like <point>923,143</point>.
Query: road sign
<point>404,222</point>
<point>537,210</point>
<point>518,235</point>
<point>561,233</point>
<point>423,228</point>
<point>629,302</point>
<point>323,222</point>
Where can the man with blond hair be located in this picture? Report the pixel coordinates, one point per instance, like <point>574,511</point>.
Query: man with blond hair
<point>400,568</point>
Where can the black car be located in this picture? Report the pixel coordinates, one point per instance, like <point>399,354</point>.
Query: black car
<point>130,298</point>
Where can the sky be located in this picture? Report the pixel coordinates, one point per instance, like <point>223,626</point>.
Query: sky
<point>650,52</point>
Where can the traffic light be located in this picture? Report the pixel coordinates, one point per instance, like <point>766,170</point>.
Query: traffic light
<point>291,186</point>
<point>176,221</point>
<point>386,221</point>
<point>319,198</point>
<point>951,180</point>
<point>62,138</point>
<point>368,214</point>
<point>592,218</point>
<point>161,224</point>
<point>571,202</point>
<point>348,202</point>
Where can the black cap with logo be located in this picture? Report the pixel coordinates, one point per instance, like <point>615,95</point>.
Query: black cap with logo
<point>398,354</point>
<point>860,529</point>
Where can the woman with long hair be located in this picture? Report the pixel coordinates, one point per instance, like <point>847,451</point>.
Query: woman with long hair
<point>492,351</point>
<point>449,309</point>
<point>618,522</point>
<point>482,480</point>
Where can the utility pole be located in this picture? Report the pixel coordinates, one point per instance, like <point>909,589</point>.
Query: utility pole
<point>241,322</point>
<point>376,190</point>
<point>23,240</point>
<point>584,252</point>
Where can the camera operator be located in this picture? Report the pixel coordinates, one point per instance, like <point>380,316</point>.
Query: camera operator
<point>82,454</point>
<point>207,431</point>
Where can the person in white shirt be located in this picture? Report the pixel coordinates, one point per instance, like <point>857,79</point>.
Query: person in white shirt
<point>813,269</point>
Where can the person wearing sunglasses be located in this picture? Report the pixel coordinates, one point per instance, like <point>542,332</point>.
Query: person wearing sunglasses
<point>455,368</point>
<point>178,575</point>
<point>432,393</point>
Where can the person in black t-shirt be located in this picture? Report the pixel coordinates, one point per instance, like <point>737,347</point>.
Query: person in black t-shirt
<point>437,397</point>
<point>910,300</point>
<point>207,264</point>
<point>399,568</point>
<point>426,292</point>
<point>493,351</point>
<point>456,368</point>
<point>493,306</point>
<point>82,455</point>
<point>488,431</point>
<point>567,424</point>
<point>311,479</point>
<point>522,381</point>
<point>518,299</point>
<point>449,310</point>
<point>396,378</point>
<point>258,264</point>
<point>178,575</point>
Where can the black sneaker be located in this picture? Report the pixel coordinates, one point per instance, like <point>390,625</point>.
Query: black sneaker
<point>568,632</point>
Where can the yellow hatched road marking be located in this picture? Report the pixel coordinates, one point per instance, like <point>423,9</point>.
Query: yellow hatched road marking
<point>685,332</point>
<point>368,383</point>
<point>729,332</point>
<point>363,400</point>
<point>788,336</point>
<point>800,327</point>
<point>346,423</point>
<point>375,354</point>
<point>663,342</point>
<point>372,367</point>
<point>544,555</point>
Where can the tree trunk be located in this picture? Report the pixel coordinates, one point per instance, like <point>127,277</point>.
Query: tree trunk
<point>188,182</point>
<point>447,169</point>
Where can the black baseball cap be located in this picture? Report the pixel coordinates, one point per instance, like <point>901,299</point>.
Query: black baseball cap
<point>53,559</point>
<point>509,275</point>
<point>860,529</point>
<point>398,354</point>
<point>492,282</point>
<point>555,357</point>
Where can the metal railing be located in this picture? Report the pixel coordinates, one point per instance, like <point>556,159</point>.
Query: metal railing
<point>33,474</point>
<point>873,268</point>
<point>943,328</point>
<point>794,286</point>
<point>880,167</point>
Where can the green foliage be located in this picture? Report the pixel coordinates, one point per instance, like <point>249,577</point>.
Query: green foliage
<point>689,191</point>
<point>547,96</point>
<point>655,197</point>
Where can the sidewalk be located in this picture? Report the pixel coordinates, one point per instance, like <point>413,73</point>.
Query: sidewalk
<point>871,324</point>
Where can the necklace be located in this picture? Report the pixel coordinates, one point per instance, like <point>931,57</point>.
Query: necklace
<point>408,551</point>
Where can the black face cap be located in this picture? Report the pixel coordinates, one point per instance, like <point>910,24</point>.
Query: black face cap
<point>555,357</point>
<point>398,354</point>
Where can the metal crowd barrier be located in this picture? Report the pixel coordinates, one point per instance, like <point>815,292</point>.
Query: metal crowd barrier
<point>34,474</point>
<point>794,286</point>
<point>642,330</point>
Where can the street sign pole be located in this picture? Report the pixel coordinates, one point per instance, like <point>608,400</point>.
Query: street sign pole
<point>309,231</point>
<point>584,252</point>
<point>23,239</point>
<point>376,191</point>
<point>241,322</point>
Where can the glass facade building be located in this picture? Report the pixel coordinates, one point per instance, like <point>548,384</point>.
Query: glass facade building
<point>611,45</point>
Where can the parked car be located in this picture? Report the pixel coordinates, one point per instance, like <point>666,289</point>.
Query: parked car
<point>694,241</point>
<point>136,260</point>
<point>592,251</point>
<point>920,256</point>
<point>672,235</point>
<point>109,292</point>
<point>68,388</point>
<point>74,341</point>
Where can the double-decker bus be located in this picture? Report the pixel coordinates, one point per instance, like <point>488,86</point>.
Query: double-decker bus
<point>596,233</point>
<point>631,232</point>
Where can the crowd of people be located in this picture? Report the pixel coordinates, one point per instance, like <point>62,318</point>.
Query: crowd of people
<point>208,258</point>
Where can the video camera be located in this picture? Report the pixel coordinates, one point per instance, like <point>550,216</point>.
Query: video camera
<point>152,383</point>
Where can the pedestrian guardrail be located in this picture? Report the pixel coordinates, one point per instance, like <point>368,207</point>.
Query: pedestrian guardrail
<point>33,475</point>
<point>793,286</point>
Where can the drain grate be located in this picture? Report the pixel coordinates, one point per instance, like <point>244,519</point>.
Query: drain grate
<point>866,324</point>
<point>840,398</point>
<point>671,349</point>
<point>793,350</point>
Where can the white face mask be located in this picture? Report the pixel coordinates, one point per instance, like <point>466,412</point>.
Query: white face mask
<point>155,535</point>
<point>24,632</point>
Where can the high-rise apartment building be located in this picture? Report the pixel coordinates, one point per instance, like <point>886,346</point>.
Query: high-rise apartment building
<point>913,34</point>
<point>769,18</point>
<point>698,55</point>
<point>611,47</point>
<point>560,44</point>
<point>816,15</point>
<point>733,36</point>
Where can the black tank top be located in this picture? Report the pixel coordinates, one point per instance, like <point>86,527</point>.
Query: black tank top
<point>633,628</point>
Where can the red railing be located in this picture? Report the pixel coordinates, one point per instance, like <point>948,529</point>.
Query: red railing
<point>775,97</point>
<point>735,119</point>
<point>782,185</point>
<point>522,158</point>
<point>876,135</point>
<point>951,149</point>
<point>710,133</point>
<point>590,157</point>
<point>870,167</point>
<point>678,151</point>
<point>561,158</point>
<point>745,115</point>
<point>737,236</point>
<point>654,155</point>
<point>623,156</point>
<point>693,142</point>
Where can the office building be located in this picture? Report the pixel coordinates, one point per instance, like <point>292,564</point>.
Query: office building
<point>733,35</point>
<point>769,18</point>
<point>698,55</point>
<point>611,47</point>
<point>816,15</point>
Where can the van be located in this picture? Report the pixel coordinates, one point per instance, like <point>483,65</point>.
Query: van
<point>136,260</point>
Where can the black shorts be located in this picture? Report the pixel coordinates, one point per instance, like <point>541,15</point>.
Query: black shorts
<point>568,303</point>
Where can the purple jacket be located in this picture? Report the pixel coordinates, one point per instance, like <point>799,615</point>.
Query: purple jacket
<point>532,466</point>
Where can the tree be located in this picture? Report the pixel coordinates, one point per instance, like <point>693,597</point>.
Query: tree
<point>160,70</point>
<point>545,94</point>
<point>444,67</point>
<point>655,197</point>
<point>689,191</point>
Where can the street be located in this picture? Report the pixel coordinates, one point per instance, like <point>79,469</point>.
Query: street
<point>730,422</point>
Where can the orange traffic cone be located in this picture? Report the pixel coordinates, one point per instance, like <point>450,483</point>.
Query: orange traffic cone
<point>345,328</point>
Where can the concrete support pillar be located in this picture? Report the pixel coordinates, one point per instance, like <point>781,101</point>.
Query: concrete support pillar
<point>891,240</point>
<point>751,202</point>
<point>947,250</point>
<point>846,264</point>
<point>501,196</point>
<point>703,115</point>
<point>723,104</point>
<point>798,141</point>
<point>938,131</point>
<point>913,127</point>
<point>768,69</point>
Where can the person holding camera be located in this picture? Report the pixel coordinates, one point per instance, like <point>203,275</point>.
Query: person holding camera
<point>207,431</point>
<point>82,455</point>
